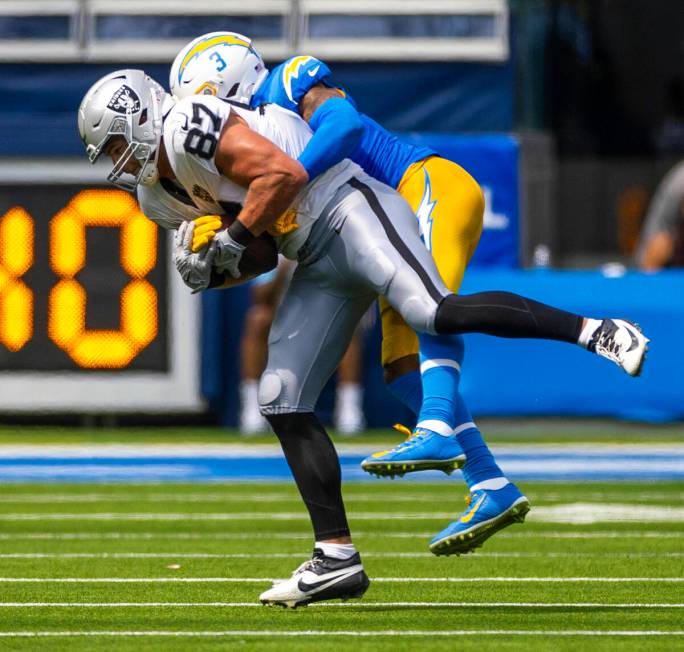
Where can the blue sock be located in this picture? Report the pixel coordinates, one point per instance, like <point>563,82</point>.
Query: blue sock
<point>440,364</point>
<point>409,390</point>
<point>480,464</point>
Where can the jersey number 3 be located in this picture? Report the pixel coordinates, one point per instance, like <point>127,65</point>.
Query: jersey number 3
<point>202,142</point>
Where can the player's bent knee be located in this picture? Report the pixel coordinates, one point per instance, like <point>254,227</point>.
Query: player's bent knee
<point>419,313</point>
<point>270,392</point>
<point>277,392</point>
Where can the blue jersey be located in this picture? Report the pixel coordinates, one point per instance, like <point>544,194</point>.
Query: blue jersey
<point>380,153</point>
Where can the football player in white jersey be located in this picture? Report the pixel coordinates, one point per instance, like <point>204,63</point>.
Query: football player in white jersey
<point>353,237</point>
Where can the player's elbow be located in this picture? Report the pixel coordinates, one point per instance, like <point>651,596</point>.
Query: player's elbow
<point>353,130</point>
<point>294,176</point>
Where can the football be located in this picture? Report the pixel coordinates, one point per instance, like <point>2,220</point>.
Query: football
<point>261,255</point>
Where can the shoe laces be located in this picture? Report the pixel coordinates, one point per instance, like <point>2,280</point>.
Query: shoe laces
<point>604,341</point>
<point>309,564</point>
<point>412,437</point>
<point>403,430</point>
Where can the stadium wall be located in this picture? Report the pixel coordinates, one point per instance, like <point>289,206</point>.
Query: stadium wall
<point>444,97</point>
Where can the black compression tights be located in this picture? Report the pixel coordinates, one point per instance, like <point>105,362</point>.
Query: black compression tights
<point>506,315</point>
<point>316,469</point>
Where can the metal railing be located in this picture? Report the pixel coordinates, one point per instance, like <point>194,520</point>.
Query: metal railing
<point>343,30</point>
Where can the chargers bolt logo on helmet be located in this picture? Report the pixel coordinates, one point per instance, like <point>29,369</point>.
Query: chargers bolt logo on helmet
<point>224,64</point>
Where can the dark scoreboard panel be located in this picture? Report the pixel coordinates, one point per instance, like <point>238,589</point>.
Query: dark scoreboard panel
<point>83,281</point>
<point>93,316</point>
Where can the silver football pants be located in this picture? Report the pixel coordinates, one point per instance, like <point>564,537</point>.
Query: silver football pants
<point>372,247</point>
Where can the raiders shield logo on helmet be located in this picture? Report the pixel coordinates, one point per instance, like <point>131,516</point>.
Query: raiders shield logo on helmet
<point>125,101</point>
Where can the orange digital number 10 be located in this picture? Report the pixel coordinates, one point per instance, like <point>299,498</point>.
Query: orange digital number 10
<point>91,349</point>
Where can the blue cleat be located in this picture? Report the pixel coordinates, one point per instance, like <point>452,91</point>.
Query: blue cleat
<point>423,450</point>
<point>488,511</point>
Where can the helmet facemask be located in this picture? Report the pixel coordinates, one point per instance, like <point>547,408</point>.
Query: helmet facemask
<point>146,159</point>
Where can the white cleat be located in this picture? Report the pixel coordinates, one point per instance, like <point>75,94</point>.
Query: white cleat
<point>320,578</point>
<point>621,342</point>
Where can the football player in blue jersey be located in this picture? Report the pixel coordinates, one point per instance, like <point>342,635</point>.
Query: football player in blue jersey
<point>422,371</point>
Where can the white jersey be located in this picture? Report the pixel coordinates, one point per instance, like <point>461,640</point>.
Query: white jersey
<point>167,204</point>
<point>191,132</point>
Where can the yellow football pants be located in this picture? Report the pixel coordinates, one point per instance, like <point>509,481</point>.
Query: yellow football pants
<point>450,206</point>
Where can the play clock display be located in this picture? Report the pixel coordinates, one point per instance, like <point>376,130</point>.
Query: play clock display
<point>81,284</point>
<point>86,288</point>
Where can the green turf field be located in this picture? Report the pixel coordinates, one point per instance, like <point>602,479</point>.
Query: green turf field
<point>184,564</point>
<point>501,431</point>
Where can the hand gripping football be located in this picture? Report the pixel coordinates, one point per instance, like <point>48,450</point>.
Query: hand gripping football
<point>260,256</point>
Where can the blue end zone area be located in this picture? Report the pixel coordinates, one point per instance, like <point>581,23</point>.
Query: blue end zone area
<point>522,463</point>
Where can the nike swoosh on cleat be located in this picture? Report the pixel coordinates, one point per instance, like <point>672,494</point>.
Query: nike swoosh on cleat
<point>635,341</point>
<point>468,517</point>
<point>329,579</point>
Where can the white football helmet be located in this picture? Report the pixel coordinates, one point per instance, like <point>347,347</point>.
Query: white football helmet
<point>224,64</point>
<point>125,103</point>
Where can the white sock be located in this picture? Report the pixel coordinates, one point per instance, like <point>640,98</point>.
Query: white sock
<point>588,332</point>
<point>251,421</point>
<point>249,394</point>
<point>348,414</point>
<point>492,484</point>
<point>336,550</point>
<point>440,427</point>
<point>349,397</point>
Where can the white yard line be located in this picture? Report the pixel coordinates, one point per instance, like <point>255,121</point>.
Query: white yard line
<point>614,534</point>
<point>193,536</point>
<point>164,497</point>
<point>298,555</point>
<point>273,497</point>
<point>243,633</point>
<point>464,605</point>
<point>194,516</point>
<point>240,450</point>
<point>404,580</point>
<point>572,513</point>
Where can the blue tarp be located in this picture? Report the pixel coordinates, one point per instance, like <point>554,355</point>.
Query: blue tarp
<point>526,377</point>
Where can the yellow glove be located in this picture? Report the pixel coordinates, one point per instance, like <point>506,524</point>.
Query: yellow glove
<point>205,230</point>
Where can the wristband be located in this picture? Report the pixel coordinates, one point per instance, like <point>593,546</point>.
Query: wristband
<point>240,233</point>
<point>217,279</point>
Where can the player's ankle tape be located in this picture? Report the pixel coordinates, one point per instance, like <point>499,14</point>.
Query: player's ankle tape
<point>240,233</point>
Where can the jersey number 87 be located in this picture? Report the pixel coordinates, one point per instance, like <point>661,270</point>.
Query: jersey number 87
<point>202,141</point>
